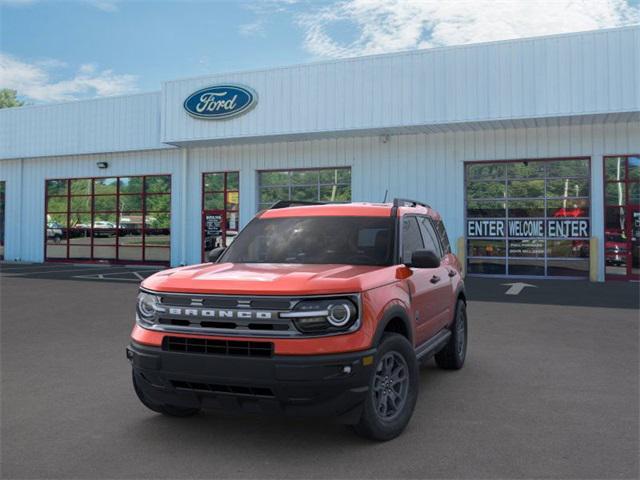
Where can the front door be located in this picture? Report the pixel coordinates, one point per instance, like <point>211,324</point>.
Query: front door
<point>220,202</point>
<point>622,217</point>
<point>427,286</point>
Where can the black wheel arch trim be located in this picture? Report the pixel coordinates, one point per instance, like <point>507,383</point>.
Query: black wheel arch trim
<point>392,312</point>
<point>461,292</point>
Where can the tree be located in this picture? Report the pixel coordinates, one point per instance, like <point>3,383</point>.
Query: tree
<point>8,98</point>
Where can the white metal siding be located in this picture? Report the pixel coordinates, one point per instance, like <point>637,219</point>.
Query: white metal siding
<point>112,124</point>
<point>558,76</point>
<point>428,167</point>
<point>422,166</point>
<point>25,195</point>
<point>11,174</point>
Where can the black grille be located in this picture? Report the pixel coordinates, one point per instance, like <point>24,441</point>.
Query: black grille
<point>230,389</point>
<point>218,347</point>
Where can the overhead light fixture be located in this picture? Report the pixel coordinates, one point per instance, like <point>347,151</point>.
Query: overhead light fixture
<point>102,164</point>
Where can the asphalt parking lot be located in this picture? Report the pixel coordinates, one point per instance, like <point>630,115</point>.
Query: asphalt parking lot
<point>550,390</point>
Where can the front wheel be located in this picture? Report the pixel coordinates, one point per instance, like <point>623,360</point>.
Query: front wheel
<point>452,356</point>
<point>169,410</point>
<point>393,390</point>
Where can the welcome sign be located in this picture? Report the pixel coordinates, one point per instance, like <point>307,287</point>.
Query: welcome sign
<point>220,102</point>
<point>528,228</point>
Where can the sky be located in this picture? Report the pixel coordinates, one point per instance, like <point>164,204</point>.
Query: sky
<point>54,50</point>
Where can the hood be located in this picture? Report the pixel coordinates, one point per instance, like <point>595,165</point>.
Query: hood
<point>269,279</point>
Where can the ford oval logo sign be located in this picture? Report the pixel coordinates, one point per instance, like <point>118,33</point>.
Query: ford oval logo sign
<point>220,102</point>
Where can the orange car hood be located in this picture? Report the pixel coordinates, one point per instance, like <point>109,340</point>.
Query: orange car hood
<point>269,279</point>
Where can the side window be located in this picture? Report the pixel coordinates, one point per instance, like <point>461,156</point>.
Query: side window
<point>444,239</point>
<point>411,238</point>
<point>430,238</point>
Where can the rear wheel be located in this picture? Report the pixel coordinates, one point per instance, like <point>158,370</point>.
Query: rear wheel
<point>393,390</point>
<point>170,410</point>
<point>452,356</point>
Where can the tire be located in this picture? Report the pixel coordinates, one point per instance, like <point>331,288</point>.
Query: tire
<point>169,410</point>
<point>379,425</point>
<point>452,356</point>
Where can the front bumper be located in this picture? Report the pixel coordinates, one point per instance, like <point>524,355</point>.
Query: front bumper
<point>319,385</point>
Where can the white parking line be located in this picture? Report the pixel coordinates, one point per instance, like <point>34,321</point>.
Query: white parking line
<point>111,276</point>
<point>32,272</point>
<point>101,278</point>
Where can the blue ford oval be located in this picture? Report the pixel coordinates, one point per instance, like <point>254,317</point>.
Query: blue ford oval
<point>220,101</point>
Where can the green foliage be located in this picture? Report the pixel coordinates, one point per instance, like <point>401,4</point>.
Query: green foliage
<point>8,98</point>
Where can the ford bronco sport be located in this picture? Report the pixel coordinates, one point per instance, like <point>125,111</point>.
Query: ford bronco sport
<point>312,310</point>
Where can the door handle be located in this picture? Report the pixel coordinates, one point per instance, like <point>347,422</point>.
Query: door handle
<point>435,279</point>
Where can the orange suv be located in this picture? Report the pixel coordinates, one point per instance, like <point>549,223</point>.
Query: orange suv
<point>314,309</point>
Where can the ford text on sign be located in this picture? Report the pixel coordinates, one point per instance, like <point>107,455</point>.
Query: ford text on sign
<point>524,228</point>
<point>220,102</point>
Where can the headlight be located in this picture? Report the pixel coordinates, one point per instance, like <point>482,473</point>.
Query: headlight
<point>147,307</point>
<point>323,315</point>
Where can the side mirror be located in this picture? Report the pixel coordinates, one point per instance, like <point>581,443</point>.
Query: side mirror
<point>214,254</point>
<point>424,259</point>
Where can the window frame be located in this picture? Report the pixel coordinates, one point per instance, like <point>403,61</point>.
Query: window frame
<point>145,248</point>
<point>506,178</point>
<point>3,210</point>
<point>226,211</point>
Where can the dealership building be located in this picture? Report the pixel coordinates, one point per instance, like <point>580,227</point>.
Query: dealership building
<point>529,148</point>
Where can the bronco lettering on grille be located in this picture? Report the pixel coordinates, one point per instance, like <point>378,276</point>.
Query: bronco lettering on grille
<point>214,313</point>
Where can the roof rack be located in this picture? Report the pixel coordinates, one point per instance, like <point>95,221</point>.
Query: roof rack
<point>405,202</point>
<point>293,203</point>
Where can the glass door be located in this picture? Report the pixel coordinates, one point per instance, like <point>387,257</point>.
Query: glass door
<point>2,220</point>
<point>622,217</point>
<point>220,202</point>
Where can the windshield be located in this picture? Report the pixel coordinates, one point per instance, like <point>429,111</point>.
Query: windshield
<point>315,240</point>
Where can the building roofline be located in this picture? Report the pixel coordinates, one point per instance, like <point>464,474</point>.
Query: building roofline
<point>416,51</point>
<point>401,53</point>
<point>82,100</point>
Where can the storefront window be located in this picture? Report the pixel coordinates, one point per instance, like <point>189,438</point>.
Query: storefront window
<point>2,187</point>
<point>622,217</point>
<point>528,218</point>
<point>120,219</point>
<point>325,185</point>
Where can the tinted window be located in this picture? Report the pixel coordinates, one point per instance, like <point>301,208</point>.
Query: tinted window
<point>429,237</point>
<point>444,238</point>
<point>315,240</point>
<point>411,238</point>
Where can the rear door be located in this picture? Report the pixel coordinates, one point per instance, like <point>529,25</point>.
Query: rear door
<point>422,284</point>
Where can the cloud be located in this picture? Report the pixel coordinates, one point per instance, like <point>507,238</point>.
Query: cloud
<point>104,5</point>
<point>390,25</point>
<point>34,80</point>
<point>252,29</point>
